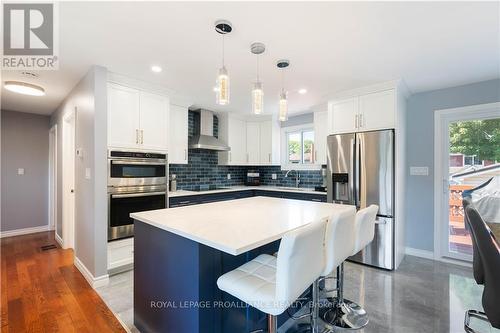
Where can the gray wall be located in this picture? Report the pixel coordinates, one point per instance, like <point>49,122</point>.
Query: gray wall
<point>420,152</point>
<point>89,97</point>
<point>25,144</point>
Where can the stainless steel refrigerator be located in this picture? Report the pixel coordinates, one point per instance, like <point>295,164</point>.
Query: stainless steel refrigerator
<point>361,172</point>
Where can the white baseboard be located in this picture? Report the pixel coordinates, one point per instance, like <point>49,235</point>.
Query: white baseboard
<point>419,253</point>
<point>59,240</point>
<point>430,255</point>
<point>94,282</point>
<point>24,231</point>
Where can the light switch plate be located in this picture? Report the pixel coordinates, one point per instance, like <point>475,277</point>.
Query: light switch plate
<point>274,176</point>
<point>419,171</point>
<point>20,171</point>
<point>87,173</point>
<point>228,176</point>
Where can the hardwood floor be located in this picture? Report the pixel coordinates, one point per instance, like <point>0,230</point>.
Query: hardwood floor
<point>42,291</point>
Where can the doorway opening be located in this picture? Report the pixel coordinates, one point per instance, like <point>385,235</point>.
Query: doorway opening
<point>68,185</point>
<point>466,155</point>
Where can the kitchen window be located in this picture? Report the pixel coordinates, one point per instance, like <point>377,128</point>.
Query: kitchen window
<point>298,147</point>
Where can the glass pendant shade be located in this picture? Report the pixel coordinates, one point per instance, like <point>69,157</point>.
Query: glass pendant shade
<point>222,87</point>
<point>283,115</point>
<point>257,98</point>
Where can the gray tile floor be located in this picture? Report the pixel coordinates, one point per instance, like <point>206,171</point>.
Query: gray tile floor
<point>421,296</point>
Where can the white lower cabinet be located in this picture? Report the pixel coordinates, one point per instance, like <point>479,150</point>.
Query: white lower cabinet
<point>120,253</point>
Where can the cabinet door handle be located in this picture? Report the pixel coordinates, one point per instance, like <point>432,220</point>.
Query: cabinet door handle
<point>361,120</point>
<point>142,137</point>
<point>229,156</point>
<point>356,121</point>
<point>248,157</point>
<point>269,157</point>
<point>185,155</point>
<point>315,156</point>
<point>136,136</point>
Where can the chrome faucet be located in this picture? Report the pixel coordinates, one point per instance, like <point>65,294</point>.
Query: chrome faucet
<point>297,177</point>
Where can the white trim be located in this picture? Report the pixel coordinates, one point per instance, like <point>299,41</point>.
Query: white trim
<point>59,240</point>
<point>284,148</point>
<point>24,231</point>
<point>442,118</point>
<point>53,177</point>
<point>68,178</point>
<point>94,282</point>
<point>419,253</point>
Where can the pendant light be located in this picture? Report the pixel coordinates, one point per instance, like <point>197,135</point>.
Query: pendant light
<point>223,27</point>
<point>283,105</point>
<point>257,89</point>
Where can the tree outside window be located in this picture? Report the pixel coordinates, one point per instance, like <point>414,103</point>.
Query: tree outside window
<point>300,147</point>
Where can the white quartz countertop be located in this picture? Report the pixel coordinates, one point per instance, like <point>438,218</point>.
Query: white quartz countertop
<point>181,193</point>
<point>241,225</point>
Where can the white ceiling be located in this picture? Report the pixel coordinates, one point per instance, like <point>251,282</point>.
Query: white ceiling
<point>332,46</point>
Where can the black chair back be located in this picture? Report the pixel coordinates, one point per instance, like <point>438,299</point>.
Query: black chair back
<point>490,258</point>
<point>477,265</point>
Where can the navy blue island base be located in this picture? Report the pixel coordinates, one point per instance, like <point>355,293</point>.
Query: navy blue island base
<point>175,286</point>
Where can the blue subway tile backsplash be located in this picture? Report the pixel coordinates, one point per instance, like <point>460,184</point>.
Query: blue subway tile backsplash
<point>203,170</point>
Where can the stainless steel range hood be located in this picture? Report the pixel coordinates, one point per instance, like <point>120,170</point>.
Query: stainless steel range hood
<point>203,137</point>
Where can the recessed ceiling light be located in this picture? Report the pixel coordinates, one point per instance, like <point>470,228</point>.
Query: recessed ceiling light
<point>156,69</point>
<point>303,91</point>
<point>24,88</point>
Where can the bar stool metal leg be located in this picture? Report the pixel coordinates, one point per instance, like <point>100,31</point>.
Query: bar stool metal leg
<point>344,313</point>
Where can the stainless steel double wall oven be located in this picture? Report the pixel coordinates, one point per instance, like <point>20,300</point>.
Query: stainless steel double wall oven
<point>137,181</point>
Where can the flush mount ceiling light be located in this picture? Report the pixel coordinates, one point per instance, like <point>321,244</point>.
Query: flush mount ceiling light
<point>303,91</point>
<point>156,69</point>
<point>257,89</point>
<point>24,88</point>
<point>222,27</point>
<point>283,107</point>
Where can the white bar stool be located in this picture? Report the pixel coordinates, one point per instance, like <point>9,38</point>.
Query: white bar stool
<point>346,313</point>
<point>272,284</point>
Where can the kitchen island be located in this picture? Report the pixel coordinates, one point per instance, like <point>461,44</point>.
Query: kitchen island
<point>180,252</point>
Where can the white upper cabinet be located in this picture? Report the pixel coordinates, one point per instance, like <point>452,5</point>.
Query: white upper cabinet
<point>320,135</point>
<point>377,110</point>
<point>253,143</point>
<point>137,119</point>
<point>344,115</point>
<point>372,111</point>
<point>233,131</point>
<point>123,116</point>
<point>154,121</point>
<point>266,142</point>
<point>178,135</point>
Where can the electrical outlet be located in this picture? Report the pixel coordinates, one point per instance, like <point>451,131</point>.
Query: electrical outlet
<point>274,176</point>
<point>20,171</point>
<point>229,176</point>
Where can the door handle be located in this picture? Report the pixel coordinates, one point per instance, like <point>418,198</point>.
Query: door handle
<point>445,186</point>
<point>136,136</point>
<point>361,120</point>
<point>269,157</point>
<point>185,155</point>
<point>356,121</point>
<point>142,137</point>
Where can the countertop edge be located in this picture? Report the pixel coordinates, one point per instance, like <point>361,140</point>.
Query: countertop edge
<point>184,193</point>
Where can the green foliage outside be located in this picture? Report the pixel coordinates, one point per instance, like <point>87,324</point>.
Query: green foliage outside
<point>476,137</point>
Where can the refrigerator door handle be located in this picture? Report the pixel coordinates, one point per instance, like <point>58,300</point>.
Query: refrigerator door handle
<point>352,185</point>
<point>357,172</point>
